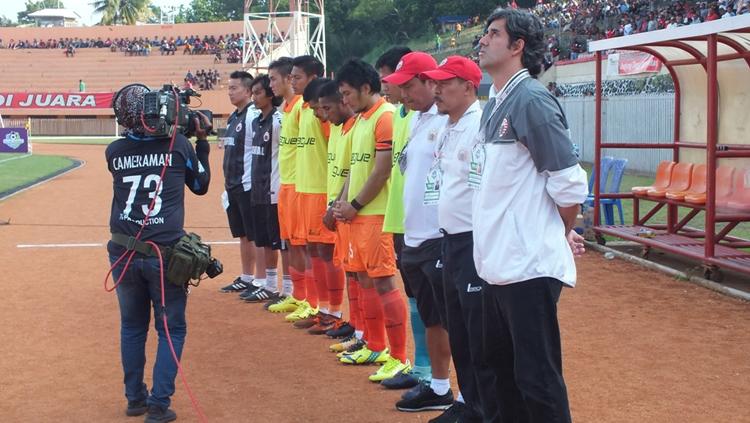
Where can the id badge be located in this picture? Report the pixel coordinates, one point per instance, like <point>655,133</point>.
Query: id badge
<point>432,185</point>
<point>476,167</point>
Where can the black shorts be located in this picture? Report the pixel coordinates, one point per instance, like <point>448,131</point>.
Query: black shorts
<point>422,270</point>
<point>398,246</point>
<point>266,226</point>
<point>239,214</point>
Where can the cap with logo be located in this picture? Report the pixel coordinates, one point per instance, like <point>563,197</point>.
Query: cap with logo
<point>410,66</point>
<point>455,67</point>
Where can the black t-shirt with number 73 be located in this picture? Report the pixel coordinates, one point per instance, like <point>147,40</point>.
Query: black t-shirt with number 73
<point>136,165</point>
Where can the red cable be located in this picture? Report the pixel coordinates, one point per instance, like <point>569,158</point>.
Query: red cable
<point>193,400</point>
<point>150,207</point>
<point>130,254</point>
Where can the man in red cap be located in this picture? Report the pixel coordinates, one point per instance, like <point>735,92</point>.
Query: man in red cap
<point>455,87</point>
<point>421,259</point>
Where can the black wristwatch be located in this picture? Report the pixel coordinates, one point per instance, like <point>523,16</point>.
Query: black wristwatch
<point>357,206</point>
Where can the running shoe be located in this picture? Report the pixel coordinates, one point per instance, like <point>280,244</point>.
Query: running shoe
<point>307,322</point>
<point>458,413</point>
<point>287,305</point>
<point>340,329</point>
<point>277,298</point>
<point>324,324</point>
<point>426,399</point>
<point>302,312</point>
<point>391,368</point>
<point>237,286</point>
<point>259,295</point>
<point>365,356</point>
<point>344,345</point>
<point>402,380</point>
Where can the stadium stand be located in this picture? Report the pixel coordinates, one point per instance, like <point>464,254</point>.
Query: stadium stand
<point>104,70</point>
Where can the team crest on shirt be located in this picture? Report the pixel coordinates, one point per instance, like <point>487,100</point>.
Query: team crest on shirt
<point>503,127</point>
<point>443,62</point>
<point>238,128</point>
<point>266,137</point>
<point>399,65</point>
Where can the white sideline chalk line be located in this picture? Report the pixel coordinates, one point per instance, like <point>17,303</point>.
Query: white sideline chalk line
<point>99,244</point>
<point>16,158</point>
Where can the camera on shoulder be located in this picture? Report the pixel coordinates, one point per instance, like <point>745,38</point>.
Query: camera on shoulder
<point>168,109</point>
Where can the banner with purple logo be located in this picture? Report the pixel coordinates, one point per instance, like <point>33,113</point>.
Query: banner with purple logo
<point>14,140</point>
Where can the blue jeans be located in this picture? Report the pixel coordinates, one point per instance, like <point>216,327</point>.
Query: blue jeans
<point>138,291</point>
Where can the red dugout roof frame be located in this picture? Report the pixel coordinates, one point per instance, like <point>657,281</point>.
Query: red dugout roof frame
<point>707,45</point>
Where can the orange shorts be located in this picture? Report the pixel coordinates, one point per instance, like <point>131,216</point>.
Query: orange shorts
<point>371,248</point>
<point>342,250</point>
<point>312,209</point>
<point>291,226</point>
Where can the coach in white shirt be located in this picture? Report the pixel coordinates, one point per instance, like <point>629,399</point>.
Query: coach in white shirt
<point>529,188</point>
<point>421,261</point>
<point>455,88</point>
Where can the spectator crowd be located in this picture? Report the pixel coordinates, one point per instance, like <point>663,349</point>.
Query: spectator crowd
<point>223,47</point>
<point>202,79</point>
<point>594,20</point>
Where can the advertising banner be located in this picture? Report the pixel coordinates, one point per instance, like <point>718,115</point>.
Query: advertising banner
<point>632,63</point>
<point>80,101</point>
<point>14,140</point>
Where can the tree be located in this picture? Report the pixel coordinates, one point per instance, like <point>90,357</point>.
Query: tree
<point>33,6</point>
<point>5,22</point>
<point>120,11</point>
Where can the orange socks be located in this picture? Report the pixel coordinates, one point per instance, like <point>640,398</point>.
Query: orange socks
<point>373,313</point>
<point>355,314</point>
<point>321,284</point>
<point>336,280</point>
<point>394,312</point>
<point>298,284</point>
<point>312,291</point>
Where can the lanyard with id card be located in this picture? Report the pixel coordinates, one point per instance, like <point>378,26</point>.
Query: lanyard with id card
<point>479,152</point>
<point>435,174</point>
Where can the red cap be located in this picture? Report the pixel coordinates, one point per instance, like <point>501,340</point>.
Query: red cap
<point>411,65</point>
<point>455,67</point>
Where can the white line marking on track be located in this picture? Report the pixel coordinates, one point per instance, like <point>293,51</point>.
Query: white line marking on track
<point>84,245</point>
<point>99,244</point>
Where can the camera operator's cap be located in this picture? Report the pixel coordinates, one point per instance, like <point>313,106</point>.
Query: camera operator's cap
<point>410,66</point>
<point>127,105</point>
<point>455,67</point>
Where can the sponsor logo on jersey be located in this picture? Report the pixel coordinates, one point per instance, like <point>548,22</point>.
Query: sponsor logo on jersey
<point>301,142</point>
<point>339,172</point>
<point>360,157</point>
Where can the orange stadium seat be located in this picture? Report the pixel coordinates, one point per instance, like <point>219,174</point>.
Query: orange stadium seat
<point>724,175</point>
<point>740,199</point>
<point>680,181</point>
<point>663,178</point>
<point>697,185</point>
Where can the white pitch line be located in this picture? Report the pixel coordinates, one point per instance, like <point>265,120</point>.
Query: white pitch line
<point>83,245</point>
<point>15,158</point>
<point>97,244</point>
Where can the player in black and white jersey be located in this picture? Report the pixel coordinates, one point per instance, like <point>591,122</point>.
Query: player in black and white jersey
<point>141,192</point>
<point>264,192</point>
<point>237,142</point>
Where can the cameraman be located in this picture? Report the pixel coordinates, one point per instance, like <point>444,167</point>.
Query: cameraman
<point>136,163</point>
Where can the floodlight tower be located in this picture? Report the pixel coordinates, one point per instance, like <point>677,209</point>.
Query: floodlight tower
<point>296,32</point>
